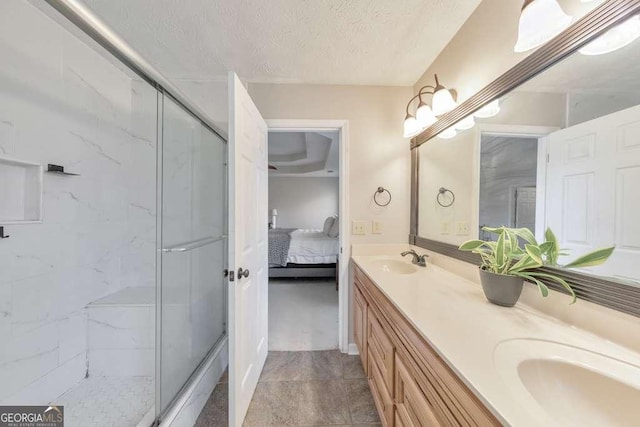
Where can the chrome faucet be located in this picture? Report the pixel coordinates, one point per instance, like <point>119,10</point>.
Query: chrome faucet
<point>420,260</point>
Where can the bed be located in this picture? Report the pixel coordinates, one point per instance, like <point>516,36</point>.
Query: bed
<point>302,253</point>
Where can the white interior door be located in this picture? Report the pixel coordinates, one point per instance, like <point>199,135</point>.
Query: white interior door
<point>592,187</point>
<point>248,200</point>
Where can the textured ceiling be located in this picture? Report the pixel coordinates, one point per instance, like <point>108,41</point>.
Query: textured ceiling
<point>304,153</point>
<point>372,42</point>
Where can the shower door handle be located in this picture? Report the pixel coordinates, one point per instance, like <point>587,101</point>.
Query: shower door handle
<point>242,273</point>
<point>194,244</point>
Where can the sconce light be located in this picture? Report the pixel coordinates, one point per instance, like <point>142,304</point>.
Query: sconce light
<point>425,116</point>
<point>411,126</point>
<point>489,110</point>
<point>614,39</point>
<point>442,102</point>
<point>540,21</point>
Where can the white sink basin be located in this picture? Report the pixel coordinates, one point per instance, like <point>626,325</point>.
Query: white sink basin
<point>389,265</point>
<point>568,385</point>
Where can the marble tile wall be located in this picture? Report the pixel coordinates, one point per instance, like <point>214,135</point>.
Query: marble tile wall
<point>63,103</point>
<point>121,336</point>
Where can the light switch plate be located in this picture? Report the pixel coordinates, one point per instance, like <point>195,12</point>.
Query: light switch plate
<point>445,227</point>
<point>359,228</point>
<point>376,227</point>
<point>462,228</point>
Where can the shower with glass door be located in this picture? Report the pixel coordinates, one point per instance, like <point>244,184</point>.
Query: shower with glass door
<point>114,207</point>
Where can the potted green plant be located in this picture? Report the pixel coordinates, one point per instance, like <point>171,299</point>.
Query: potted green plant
<point>506,264</point>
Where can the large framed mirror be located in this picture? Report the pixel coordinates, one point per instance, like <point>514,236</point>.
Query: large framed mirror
<point>556,146</point>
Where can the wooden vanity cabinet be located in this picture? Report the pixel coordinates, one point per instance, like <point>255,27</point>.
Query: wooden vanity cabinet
<point>411,385</point>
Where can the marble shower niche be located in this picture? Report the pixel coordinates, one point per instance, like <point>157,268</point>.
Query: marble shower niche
<point>20,191</point>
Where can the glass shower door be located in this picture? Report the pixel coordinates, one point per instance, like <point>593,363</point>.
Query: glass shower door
<point>191,291</point>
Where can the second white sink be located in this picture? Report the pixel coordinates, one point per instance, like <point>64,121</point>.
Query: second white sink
<point>568,385</point>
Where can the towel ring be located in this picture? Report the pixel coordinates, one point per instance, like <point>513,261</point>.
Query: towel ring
<point>443,191</point>
<point>379,191</point>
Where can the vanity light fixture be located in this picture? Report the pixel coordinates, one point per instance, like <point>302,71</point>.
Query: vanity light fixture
<point>614,39</point>
<point>442,102</point>
<point>540,21</point>
<point>489,110</point>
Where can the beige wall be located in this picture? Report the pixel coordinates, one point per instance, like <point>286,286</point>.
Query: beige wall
<point>378,155</point>
<point>483,48</point>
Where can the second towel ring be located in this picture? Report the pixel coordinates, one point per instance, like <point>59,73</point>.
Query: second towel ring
<point>379,191</point>
<point>443,191</point>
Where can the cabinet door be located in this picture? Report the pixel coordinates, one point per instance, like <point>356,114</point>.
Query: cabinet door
<point>412,407</point>
<point>360,325</point>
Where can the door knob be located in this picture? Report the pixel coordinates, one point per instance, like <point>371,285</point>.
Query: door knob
<point>242,273</point>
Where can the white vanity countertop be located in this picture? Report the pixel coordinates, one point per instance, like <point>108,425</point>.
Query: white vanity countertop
<point>453,315</point>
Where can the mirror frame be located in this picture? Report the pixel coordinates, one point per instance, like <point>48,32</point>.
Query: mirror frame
<point>599,290</point>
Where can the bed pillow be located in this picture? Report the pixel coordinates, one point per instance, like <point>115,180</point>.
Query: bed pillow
<point>328,223</point>
<point>335,228</point>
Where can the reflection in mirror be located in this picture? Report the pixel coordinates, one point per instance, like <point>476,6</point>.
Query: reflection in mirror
<point>508,170</point>
<point>560,151</point>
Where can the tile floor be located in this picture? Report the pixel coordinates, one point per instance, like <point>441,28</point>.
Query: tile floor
<point>303,314</point>
<point>316,388</point>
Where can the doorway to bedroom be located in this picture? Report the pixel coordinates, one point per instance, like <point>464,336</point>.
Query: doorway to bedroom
<point>304,239</point>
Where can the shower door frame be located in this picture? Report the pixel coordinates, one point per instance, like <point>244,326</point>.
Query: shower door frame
<point>80,16</point>
<point>173,407</point>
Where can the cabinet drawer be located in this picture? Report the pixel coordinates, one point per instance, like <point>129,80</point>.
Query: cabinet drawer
<point>412,406</point>
<point>381,396</point>
<point>382,348</point>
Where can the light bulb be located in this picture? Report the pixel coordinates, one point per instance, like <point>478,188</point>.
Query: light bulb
<point>614,39</point>
<point>489,110</point>
<point>411,126</point>
<point>466,123</point>
<point>443,102</point>
<point>425,116</point>
<point>540,21</point>
<point>447,133</point>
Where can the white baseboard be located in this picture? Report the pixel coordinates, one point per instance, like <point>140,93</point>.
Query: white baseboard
<point>187,408</point>
<point>353,349</point>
